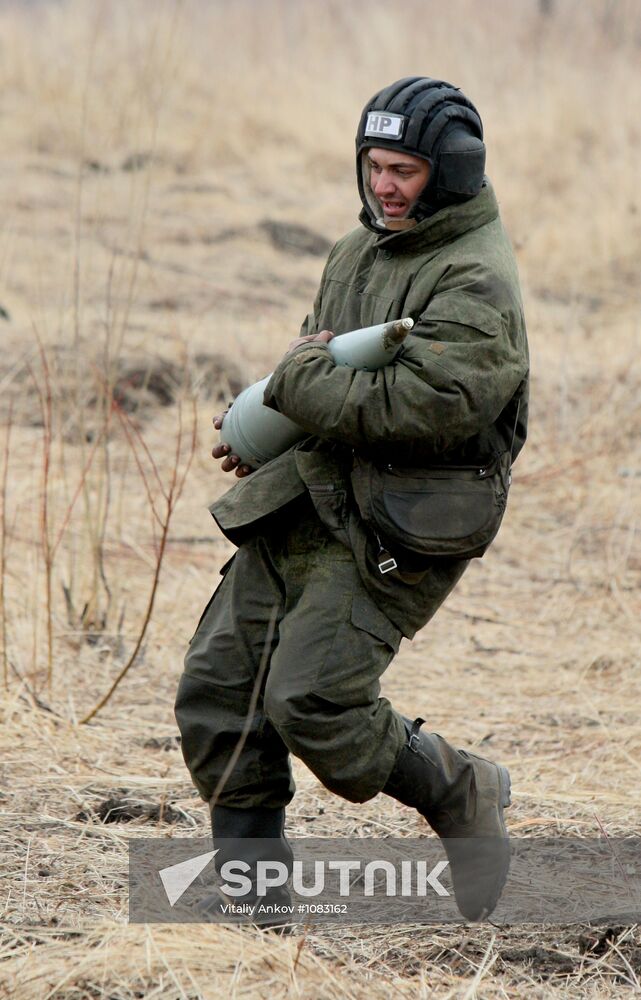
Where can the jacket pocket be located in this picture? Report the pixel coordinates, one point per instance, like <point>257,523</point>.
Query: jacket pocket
<point>378,309</point>
<point>331,506</point>
<point>466,311</point>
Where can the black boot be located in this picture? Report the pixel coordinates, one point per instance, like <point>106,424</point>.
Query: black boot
<point>462,797</point>
<point>251,835</point>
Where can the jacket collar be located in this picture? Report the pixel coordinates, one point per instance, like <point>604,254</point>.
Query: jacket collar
<point>440,228</point>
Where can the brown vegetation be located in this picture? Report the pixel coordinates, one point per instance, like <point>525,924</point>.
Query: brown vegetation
<point>157,161</point>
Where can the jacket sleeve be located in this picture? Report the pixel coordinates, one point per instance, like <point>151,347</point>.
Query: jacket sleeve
<point>456,372</point>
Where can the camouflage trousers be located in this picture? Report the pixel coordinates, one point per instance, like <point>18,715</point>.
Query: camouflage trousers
<point>290,648</point>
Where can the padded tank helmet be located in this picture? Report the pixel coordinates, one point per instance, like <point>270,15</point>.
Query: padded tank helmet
<point>433,120</point>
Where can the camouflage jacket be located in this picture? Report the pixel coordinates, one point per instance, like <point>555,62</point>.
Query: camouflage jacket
<point>457,393</point>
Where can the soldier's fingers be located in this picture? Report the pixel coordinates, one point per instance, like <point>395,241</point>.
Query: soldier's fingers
<point>220,450</point>
<point>230,463</point>
<point>300,340</point>
<point>218,419</point>
<point>243,471</point>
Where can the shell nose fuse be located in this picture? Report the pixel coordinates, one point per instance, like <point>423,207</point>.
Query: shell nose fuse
<point>257,433</point>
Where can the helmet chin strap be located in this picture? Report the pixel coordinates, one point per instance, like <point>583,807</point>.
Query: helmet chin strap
<point>399,225</point>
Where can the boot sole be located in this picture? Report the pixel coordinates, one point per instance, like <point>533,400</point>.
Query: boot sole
<point>505,786</point>
<point>505,800</point>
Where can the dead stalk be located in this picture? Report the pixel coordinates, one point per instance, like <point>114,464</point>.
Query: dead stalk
<point>170,495</point>
<point>3,546</point>
<point>96,510</point>
<point>49,544</point>
<point>46,409</point>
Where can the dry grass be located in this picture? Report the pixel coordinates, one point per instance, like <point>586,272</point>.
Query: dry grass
<point>142,146</point>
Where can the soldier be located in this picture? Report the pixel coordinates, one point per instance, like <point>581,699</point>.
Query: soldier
<point>310,594</point>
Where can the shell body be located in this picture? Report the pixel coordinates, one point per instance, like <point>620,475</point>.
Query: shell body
<point>257,433</point>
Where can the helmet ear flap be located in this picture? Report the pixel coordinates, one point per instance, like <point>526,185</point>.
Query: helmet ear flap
<point>461,166</point>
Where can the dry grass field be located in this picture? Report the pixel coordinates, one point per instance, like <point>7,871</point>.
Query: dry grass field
<point>157,157</point>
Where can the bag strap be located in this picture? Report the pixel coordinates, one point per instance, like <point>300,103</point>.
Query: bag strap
<point>516,420</point>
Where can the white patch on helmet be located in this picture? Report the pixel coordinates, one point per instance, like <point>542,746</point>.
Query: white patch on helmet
<point>384,125</point>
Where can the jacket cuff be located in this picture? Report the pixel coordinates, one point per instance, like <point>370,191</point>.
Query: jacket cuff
<point>295,357</point>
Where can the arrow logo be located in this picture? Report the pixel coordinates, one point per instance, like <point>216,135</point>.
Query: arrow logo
<point>177,878</point>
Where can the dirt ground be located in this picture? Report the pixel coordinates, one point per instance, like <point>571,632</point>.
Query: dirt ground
<point>145,259</point>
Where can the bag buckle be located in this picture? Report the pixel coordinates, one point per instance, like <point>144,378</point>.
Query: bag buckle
<point>414,737</point>
<point>386,562</point>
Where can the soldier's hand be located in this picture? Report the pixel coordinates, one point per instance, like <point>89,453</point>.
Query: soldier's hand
<point>231,463</point>
<point>323,337</point>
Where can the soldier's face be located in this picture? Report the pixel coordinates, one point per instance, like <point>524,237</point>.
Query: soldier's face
<point>397,180</point>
